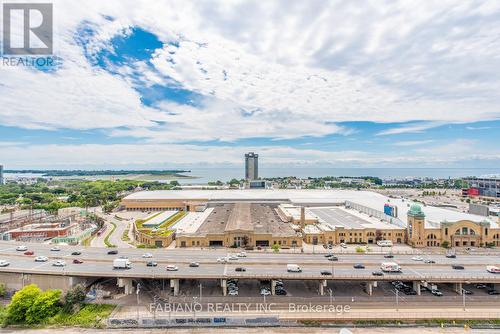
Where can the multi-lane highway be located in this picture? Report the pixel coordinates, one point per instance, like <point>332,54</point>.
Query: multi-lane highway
<point>97,263</point>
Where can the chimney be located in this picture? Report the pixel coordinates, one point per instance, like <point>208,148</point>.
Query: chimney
<point>302,216</point>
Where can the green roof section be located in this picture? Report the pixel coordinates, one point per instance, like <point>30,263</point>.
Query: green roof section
<point>416,211</point>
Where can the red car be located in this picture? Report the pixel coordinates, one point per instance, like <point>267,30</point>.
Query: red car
<point>29,253</point>
<point>77,261</point>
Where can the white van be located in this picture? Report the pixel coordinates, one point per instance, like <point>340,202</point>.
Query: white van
<point>384,243</point>
<point>122,264</point>
<point>390,267</point>
<point>293,268</point>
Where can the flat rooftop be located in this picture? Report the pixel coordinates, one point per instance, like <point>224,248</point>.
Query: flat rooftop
<point>434,215</point>
<point>349,219</point>
<point>251,217</point>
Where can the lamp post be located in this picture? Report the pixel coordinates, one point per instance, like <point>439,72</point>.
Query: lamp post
<point>463,298</point>
<point>201,290</point>
<point>397,299</point>
<point>137,294</point>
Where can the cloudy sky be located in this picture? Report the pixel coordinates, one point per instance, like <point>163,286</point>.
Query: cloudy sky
<point>160,84</point>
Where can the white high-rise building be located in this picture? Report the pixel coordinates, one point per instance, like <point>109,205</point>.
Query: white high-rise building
<point>1,175</point>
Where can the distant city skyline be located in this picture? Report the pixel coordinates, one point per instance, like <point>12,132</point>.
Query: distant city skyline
<point>205,82</point>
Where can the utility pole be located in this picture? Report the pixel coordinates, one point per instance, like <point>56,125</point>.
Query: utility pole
<point>397,300</point>
<point>137,294</point>
<point>201,290</point>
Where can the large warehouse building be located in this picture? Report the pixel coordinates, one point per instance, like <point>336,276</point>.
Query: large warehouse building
<point>264,217</point>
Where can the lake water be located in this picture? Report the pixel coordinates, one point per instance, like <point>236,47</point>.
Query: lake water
<point>225,174</point>
<point>204,175</point>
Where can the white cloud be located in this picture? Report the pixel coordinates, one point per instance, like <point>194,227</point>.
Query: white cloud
<point>413,142</point>
<point>95,156</point>
<point>395,63</point>
<point>411,128</point>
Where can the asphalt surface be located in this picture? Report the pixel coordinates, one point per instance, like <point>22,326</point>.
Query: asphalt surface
<point>258,265</point>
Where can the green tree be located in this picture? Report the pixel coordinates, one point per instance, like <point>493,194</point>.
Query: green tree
<point>276,248</point>
<point>73,297</point>
<point>21,302</point>
<point>445,244</point>
<point>46,305</point>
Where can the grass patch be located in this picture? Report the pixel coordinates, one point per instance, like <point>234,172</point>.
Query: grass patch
<point>106,240</point>
<point>90,315</point>
<point>163,229</point>
<point>125,236</point>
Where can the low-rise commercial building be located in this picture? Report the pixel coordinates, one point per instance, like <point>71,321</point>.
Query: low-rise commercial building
<point>264,217</point>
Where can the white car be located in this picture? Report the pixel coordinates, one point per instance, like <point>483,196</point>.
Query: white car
<point>233,292</point>
<point>4,263</point>
<point>55,249</point>
<point>241,254</point>
<point>21,248</point>
<point>417,258</point>
<point>59,263</point>
<point>221,260</point>
<point>232,257</point>
<point>171,267</point>
<point>147,255</point>
<point>343,245</point>
<point>41,259</point>
<point>265,292</point>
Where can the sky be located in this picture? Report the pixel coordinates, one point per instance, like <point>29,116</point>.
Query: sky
<point>169,84</point>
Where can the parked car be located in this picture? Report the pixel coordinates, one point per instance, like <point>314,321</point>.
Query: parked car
<point>265,292</point>
<point>233,292</point>
<point>417,258</point>
<point>280,292</point>
<point>388,256</point>
<point>76,253</point>
<point>481,286</point>
<point>55,249</point>
<point>343,245</point>
<point>151,264</point>
<point>493,292</point>
<point>59,263</point>
<point>241,254</point>
<point>21,248</point>
<point>457,267</point>
<point>410,292</point>
<point>4,263</point>
<point>171,267</point>
<point>333,258</point>
<point>437,293</point>
<point>429,261</point>
<point>29,253</point>
<point>147,255</point>
<point>232,257</point>
<point>326,272</point>
<point>240,269</point>
<point>329,254</point>
<point>221,260</point>
<point>41,259</point>
<point>377,273</point>
<point>467,292</point>
<point>112,252</point>
<point>194,264</point>
<point>77,261</point>
<point>451,256</point>
<point>359,266</point>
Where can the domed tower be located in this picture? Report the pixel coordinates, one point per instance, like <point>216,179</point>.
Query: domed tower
<point>416,225</point>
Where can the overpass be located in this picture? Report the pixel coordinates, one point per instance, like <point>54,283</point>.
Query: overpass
<point>259,266</point>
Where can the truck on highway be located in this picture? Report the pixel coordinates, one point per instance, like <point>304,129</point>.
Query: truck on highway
<point>122,264</point>
<point>390,267</point>
<point>293,268</point>
<point>493,269</point>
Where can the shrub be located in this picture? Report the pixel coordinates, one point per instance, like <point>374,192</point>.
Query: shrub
<point>21,302</point>
<point>360,249</point>
<point>46,305</point>
<point>73,297</point>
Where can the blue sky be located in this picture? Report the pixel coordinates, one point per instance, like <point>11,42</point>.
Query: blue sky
<point>181,83</point>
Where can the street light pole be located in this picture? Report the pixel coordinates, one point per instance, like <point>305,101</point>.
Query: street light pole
<point>397,300</point>
<point>463,298</point>
<point>137,294</point>
<point>201,289</point>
